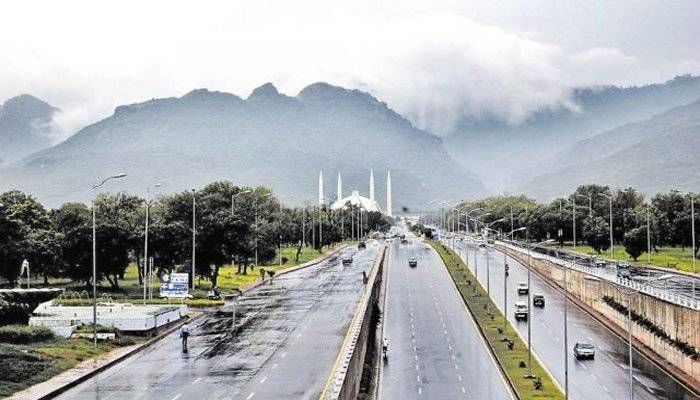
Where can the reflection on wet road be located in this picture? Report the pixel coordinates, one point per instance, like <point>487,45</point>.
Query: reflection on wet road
<point>435,350</point>
<point>284,342</point>
<point>606,377</point>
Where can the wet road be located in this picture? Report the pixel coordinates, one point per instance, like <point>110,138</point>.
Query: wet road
<point>435,350</point>
<point>285,340</point>
<point>606,377</point>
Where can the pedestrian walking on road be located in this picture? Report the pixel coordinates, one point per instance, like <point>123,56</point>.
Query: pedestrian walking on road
<point>184,334</point>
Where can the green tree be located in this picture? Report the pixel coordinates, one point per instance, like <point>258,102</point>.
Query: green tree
<point>635,242</point>
<point>596,232</point>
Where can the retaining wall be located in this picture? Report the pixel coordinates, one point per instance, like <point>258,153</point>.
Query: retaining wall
<point>343,383</point>
<point>678,321</point>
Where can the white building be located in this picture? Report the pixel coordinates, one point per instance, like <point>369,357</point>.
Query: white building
<point>357,200</point>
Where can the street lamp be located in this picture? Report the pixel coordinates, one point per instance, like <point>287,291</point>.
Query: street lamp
<point>505,278</point>
<point>146,268</point>
<point>94,254</point>
<point>233,197</point>
<point>476,230</point>
<point>529,302</point>
<point>692,228</point>
<point>194,236</point>
<point>590,203</point>
<point>610,199</point>
<point>488,267</point>
<point>256,226</point>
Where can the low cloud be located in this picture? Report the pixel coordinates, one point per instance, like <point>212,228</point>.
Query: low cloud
<point>434,68</point>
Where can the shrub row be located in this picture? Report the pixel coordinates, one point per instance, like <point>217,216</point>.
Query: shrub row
<point>24,334</point>
<point>685,347</point>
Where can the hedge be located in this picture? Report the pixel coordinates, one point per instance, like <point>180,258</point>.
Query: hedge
<point>24,334</point>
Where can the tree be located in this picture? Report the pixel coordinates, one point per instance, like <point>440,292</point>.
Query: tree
<point>635,242</point>
<point>596,232</point>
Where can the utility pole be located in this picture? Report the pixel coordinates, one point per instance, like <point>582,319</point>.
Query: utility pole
<point>194,237</point>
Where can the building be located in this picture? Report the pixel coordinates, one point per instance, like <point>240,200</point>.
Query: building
<point>355,199</point>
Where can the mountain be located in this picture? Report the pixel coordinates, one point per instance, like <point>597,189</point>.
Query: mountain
<point>24,127</point>
<point>657,154</point>
<point>505,155</point>
<point>267,139</point>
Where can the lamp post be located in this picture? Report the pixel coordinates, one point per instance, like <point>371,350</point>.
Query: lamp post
<point>610,199</point>
<point>146,268</point>
<point>692,229</point>
<point>590,203</point>
<point>194,236</point>
<point>476,230</point>
<point>488,268</point>
<point>505,278</point>
<point>529,303</point>
<point>256,226</point>
<point>94,254</point>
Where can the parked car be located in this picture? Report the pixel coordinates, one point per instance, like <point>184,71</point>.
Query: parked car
<point>347,260</point>
<point>538,300</point>
<point>361,245</point>
<point>583,351</point>
<point>523,288</point>
<point>521,310</point>
<point>412,262</point>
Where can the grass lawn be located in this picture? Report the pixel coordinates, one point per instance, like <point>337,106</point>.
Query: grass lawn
<point>228,280</point>
<point>666,257</point>
<point>492,323</point>
<point>22,366</point>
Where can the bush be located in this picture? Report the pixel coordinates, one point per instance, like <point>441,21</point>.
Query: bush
<point>24,334</point>
<point>284,260</point>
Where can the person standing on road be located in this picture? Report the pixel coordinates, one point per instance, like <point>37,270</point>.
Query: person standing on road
<point>184,334</point>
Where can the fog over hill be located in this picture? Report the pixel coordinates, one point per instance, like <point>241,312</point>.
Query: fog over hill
<point>25,127</point>
<point>658,154</point>
<point>504,156</point>
<point>267,139</point>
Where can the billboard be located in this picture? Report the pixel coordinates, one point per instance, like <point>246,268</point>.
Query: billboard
<point>175,285</point>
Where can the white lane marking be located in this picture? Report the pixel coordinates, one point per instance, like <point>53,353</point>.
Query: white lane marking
<point>284,354</point>
<point>177,396</point>
<point>263,379</point>
<point>274,366</point>
<point>463,390</point>
<point>196,381</point>
<point>298,335</point>
<point>417,378</point>
<point>449,347</point>
<point>459,377</point>
<point>250,396</point>
<point>417,367</point>
<point>419,391</point>
<point>456,366</point>
<point>416,357</point>
<point>453,356</point>
<point>604,388</point>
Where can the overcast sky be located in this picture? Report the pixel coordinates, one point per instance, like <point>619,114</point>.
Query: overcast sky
<point>434,61</point>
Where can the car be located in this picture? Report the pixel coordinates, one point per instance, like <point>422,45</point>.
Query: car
<point>521,311</point>
<point>404,241</point>
<point>347,260</point>
<point>624,270</point>
<point>538,300</point>
<point>361,245</point>
<point>583,351</point>
<point>600,263</point>
<point>523,288</point>
<point>412,262</point>
<point>332,259</point>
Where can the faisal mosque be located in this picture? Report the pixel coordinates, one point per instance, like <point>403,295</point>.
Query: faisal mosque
<point>355,199</point>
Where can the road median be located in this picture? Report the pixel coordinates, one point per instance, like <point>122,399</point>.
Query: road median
<point>506,345</point>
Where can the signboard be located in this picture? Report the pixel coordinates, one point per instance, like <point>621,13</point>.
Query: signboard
<point>175,285</point>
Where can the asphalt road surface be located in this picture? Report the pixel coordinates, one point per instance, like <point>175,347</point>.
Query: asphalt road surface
<point>435,350</point>
<point>606,377</point>
<point>283,344</point>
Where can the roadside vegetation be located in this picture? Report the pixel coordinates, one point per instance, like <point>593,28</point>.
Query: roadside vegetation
<point>668,215</point>
<point>510,350</point>
<point>30,355</point>
<point>233,224</point>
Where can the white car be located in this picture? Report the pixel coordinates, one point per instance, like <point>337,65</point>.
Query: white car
<point>523,288</point>
<point>521,310</point>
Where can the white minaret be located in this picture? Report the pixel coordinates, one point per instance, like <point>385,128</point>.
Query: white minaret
<point>340,187</point>
<point>388,194</point>
<point>320,188</point>
<point>371,187</point>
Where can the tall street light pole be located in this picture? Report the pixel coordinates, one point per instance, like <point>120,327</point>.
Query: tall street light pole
<point>692,229</point>
<point>146,271</point>
<point>94,254</point>
<point>590,203</point>
<point>488,267</point>
<point>194,236</point>
<point>529,303</point>
<point>505,278</point>
<point>610,199</point>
